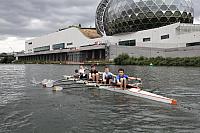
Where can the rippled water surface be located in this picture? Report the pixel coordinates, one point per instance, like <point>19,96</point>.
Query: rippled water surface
<point>26,107</point>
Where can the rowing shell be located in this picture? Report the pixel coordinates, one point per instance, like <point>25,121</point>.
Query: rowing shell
<point>133,91</point>
<point>140,93</point>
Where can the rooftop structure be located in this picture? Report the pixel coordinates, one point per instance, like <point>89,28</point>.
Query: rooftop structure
<point>120,16</point>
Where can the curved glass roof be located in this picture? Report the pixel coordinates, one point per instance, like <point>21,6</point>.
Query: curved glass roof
<point>117,16</point>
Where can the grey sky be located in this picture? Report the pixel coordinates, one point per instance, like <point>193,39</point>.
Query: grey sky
<point>21,19</point>
<point>27,18</point>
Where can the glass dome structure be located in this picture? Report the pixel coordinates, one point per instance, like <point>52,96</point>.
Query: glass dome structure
<point>119,16</point>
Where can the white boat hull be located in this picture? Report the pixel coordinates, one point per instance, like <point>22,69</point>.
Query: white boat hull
<point>140,93</point>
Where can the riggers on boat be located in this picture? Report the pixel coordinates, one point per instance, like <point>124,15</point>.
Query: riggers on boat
<point>132,90</point>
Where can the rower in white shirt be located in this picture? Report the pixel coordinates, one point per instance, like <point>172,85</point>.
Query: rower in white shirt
<point>107,76</point>
<point>82,72</point>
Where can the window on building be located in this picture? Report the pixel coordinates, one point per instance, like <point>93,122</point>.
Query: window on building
<point>146,39</point>
<point>193,44</point>
<point>40,49</point>
<point>165,37</point>
<point>68,44</point>
<point>127,43</point>
<point>30,43</point>
<point>59,46</point>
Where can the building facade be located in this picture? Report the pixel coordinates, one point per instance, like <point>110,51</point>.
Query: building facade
<point>170,36</point>
<point>148,28</point>
<point>69,38</point>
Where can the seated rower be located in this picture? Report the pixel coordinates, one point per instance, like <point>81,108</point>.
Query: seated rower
<point>94,74</point>
<point>76,74</point>
<point>122,79</point>
<point>82,73</point>
<point>107,76</point>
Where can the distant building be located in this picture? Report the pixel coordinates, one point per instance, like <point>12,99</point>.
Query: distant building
<point>70,38</point>
<point>139,28</point>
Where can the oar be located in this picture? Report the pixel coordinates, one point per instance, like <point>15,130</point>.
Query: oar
<point>50,83</point>
<point>62,84</point>
<point>67,77</point>
<point>138,83</point>
<point>55,81</point>
<point>60,80</point>
<point>59,88</point>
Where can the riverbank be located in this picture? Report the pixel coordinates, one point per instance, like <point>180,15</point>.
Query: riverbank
<point>67,62</point>
<point>125,59</point>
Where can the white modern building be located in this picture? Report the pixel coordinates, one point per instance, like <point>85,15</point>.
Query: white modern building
<point>69,38</point>
<point>170,36</point>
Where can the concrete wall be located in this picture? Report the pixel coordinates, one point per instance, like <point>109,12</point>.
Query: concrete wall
<point>116,50</point>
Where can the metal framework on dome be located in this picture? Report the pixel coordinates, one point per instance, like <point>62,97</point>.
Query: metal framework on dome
<point>119,16</point>
<point>99,16</point>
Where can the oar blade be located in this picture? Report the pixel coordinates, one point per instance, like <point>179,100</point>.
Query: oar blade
<point>57,88</point>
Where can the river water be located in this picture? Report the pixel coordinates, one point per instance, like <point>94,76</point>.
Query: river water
<point>26,107</point>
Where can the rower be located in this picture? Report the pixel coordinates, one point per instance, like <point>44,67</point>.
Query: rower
<point>76,74</point>
<point>94,74</point>
<point>107,76</point>
<point>121,79</point>
<point>82,72</point>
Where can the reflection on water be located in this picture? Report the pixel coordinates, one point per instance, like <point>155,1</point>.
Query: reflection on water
<point>27,107</point>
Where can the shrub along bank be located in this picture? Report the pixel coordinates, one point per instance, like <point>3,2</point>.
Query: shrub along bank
<point>6,59</point>
<point>125,59</point>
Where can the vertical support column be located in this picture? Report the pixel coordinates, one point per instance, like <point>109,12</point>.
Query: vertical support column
<point>57,58</point>
<point>93,54</point>
<point>65,57</point>
<point>100,54</point>
<point>46,58</point>
<point>54,57</point>
<point>43,58</point>
<point>60,56</point>
<point>51,57</point>
<point>85,55</point>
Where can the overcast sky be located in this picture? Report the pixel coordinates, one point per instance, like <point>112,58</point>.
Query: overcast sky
<point>25,19</point>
